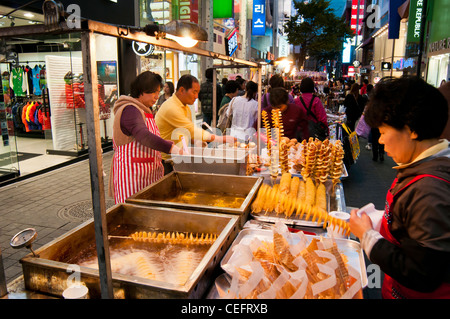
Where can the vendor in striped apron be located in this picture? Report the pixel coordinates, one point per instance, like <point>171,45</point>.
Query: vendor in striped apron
<point>137,143</point>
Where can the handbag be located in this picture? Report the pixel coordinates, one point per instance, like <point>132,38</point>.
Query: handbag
<point>316,129</point>
<point>354,142</point>
<point>362,129</point>
<point>225,117</point>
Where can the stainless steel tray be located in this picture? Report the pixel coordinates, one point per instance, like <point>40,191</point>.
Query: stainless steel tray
<point>212,160</point>
<point>350,248</point>
<point>335,202</point>
<point>168,186</point>
<point>48,273</point>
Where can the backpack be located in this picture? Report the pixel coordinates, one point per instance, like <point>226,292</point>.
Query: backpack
<point>225,120</point>
<point>316,129</point>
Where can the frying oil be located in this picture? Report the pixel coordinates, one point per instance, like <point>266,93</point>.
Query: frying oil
<point>171,263</point>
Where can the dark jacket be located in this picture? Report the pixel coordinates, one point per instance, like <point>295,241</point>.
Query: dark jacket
<point>206,96</point>
<point>353,109</point>
<point>421,224</point>
<point>294,120</point>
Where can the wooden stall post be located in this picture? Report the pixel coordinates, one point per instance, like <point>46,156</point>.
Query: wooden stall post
<point>96,162</point>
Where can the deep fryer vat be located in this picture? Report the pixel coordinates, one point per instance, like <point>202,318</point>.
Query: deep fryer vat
<point>175,182</point>
<point>49,273</point>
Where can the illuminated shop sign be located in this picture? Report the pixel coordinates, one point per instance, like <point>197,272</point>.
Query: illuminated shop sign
<point>231,43</point>
<point>385,66</point>
<point>259,17</point>
<point>142,49</point>
<point>354,17</point>
<point>414,21</point>
<point>351,71</point>
<point>187,10</point>
<point>403,64</point>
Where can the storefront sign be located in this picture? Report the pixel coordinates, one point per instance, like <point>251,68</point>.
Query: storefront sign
<point>231,43</point>
<point>386,66</point>
<point>351,71</point>
<point>259,17</point>
<point>142,49</point>
<point>187,10</point>
<point>416,11</point>
<point>440,45</point>
<point>403,64</point>
<point>222,9</point>
<point>354,18</point>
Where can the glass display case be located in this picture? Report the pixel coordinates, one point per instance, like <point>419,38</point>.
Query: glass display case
<point>43,108</point>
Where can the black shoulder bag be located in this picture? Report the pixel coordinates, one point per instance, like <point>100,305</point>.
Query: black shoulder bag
<point>316,128</point>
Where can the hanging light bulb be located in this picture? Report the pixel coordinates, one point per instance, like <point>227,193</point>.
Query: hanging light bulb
<point>187,42</point>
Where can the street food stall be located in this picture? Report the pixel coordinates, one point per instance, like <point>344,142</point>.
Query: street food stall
<point>202,234</point>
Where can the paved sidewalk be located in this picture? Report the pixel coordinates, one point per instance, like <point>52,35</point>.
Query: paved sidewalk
<point>53,203</point>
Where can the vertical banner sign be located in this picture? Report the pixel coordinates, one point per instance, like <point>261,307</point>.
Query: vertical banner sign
<point>231,43</point>
<point>259,17</point>
<point>354,15</point>
<point>357,10</point>
<point>394,19</point>
<point>361,15</point>
<point>415,18</point>
<point>187,10</point>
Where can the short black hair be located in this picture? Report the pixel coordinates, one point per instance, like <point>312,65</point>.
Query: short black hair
<point>146,82</point>
<point>239,80</point>
<point>209,73</point>
<point>231,86</point>
<point>307,85</point>
<point>278,96</point>
<point>186,82</point>
<point>410,101</point>
<point>276,81</point>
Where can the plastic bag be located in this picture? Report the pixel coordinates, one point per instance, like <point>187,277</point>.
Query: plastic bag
<point>362,129</point>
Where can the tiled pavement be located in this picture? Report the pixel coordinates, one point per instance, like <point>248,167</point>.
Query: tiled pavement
<point>46,202</point>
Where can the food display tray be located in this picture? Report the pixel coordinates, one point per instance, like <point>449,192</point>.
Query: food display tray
<point>48,273</point>
<point>350,248</point>
<point>157,193</point>
<point>335,202</point>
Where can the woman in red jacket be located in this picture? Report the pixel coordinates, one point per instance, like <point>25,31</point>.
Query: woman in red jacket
<point>412,243</point>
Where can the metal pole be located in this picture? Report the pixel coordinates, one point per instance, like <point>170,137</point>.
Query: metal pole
<point>258,132</point>
<point>96,163</point>
<point>214,101</point>
<point>392,58</point>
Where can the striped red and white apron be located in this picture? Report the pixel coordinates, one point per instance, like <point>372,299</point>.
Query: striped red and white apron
<point>135,165</point>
